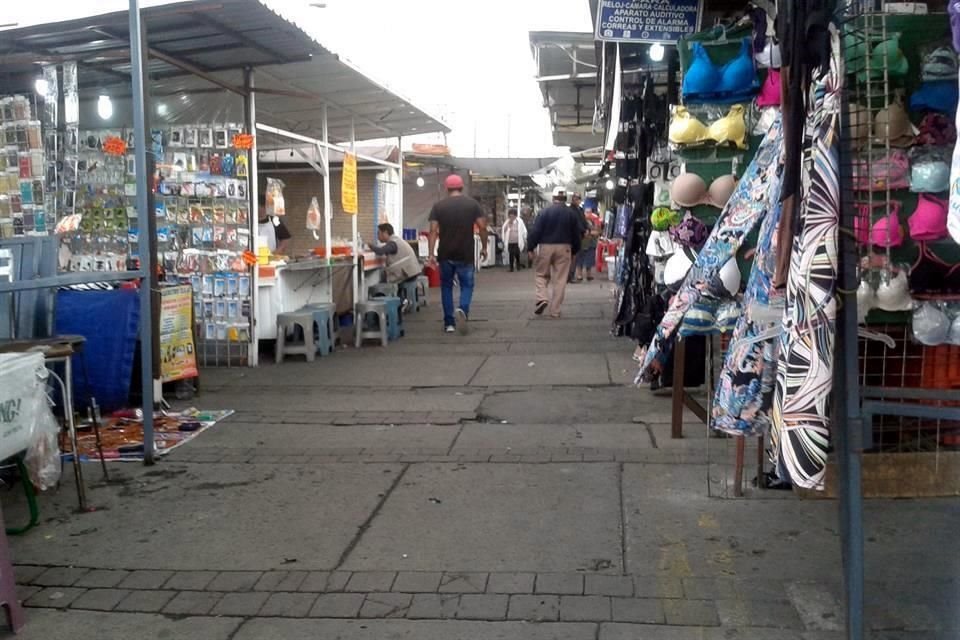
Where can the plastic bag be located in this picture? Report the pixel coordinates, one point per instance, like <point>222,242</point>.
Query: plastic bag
<point>274,198</point>
<point>313,215</point>
<point>43,455</point>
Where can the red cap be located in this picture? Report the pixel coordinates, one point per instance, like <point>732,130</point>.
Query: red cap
<point>453,182</point>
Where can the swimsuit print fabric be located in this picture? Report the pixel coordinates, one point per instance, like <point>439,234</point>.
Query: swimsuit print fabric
<point>800,433</point>
<point>745,387</point>
<point>756,194</point>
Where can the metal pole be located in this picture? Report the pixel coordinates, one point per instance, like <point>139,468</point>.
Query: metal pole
<point>400,208</point>
<point>250,120</point>
<point>144,218</point>
<point>357,261</point>
<point>327,204</point>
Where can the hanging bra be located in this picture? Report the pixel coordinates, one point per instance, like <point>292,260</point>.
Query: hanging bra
<point>893,293</point>
<point>886,231</point>
<point>879,172</point>
<point>931,275</point>
<point>689,190</point>
<point>929,219</point>
<point>704,81</point>
<point>687,129</point>
<point>770,91</point>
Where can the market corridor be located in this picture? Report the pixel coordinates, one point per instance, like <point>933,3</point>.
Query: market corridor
<point>453,487</point>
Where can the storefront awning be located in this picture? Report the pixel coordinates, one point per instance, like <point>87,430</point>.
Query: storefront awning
<point>567,73</point>
<point>200,49</point>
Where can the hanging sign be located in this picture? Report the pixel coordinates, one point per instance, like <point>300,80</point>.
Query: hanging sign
<point>243,141</point>
<point>663,21</point>
<point>348,185</point>
<point>114,146</point>
<point>178,359</point>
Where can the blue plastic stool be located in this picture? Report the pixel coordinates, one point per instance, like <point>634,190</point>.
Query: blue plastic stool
<point>324,322</point>
<point>410,291</point>
<point>394,317</point>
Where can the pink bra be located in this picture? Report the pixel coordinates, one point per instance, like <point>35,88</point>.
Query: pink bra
<point>770,91</point>
<point>882,172</point>
<point>886,232</point>
<point>929,219</point>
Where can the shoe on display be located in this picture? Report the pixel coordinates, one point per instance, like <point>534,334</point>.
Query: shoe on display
<point>463,325</point>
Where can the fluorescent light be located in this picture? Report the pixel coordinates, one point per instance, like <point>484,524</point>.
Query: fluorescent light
<point>104,107</point>
<point>42,86</point>
<point>656,52</point>
<point>420,181</point>
<point>162,109</point>
<point>609,185</point>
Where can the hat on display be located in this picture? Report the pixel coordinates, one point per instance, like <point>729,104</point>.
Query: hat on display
<point>453,182</point>
<point>940,64</point>
<point>691,232</point>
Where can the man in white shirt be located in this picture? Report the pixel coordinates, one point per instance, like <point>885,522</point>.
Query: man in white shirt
<point>514,234</point>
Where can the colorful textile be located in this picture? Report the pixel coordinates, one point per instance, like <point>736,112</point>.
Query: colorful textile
<point>745,387</point>
<point>800,434</point>
<point>749,204</point>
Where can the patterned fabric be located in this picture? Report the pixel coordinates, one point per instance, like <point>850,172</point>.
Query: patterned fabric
<point>745,387</point>
<point>747,206</point>
<point>691,232</point>
<point>800,434</point>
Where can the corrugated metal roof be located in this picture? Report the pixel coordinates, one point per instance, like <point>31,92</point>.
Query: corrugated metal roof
<point>567,73</point>
<point>221,38</point>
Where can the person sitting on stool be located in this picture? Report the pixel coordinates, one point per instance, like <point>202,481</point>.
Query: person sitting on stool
<point>402,263</point>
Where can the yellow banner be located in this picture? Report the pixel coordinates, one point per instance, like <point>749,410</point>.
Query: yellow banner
<point>178,358</point>
<point>348,186</point>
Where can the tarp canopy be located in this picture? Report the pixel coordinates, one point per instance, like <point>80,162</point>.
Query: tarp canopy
<point>199,49</point>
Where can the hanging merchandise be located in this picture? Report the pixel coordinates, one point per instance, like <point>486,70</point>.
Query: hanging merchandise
<point>687,129</point>
<point>770,91</point>
<point>749,204</point>
<point>734,81</point>
<point>953,221</point>
<point>930,275</point>
<point>929,219</point>
<point>931,326</point>
<point>313,215</point>
<point>274,198</point>
<point>690,232</point>
<point>800,434</point>
<point>929,171</point>
<point>689,190</point>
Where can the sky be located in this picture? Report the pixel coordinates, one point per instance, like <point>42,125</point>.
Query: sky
<point>466,61</point>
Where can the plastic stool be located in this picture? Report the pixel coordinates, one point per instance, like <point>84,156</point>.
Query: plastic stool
<point>382,289</point>
<point>379,309</point>
<point>394,317</point>
<point>304,320</point>
<point>423,285</point>
<point>324,323</point>
<point>410,291</point>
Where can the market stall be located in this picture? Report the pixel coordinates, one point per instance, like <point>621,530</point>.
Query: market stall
<point>815,260</point>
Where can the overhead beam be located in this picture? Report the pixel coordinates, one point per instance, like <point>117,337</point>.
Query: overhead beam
<point>240,37</point>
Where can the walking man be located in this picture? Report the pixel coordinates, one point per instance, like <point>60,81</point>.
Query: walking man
<point>577,206</point>
<point>514,234</point>
<point>452,221</point>
<point>557,233</point>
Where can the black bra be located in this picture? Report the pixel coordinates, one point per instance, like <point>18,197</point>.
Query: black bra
<point>930,275</point>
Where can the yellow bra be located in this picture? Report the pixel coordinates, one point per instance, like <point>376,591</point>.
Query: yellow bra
<point>732,128</point>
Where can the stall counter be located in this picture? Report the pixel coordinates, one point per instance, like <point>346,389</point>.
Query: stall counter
<point>286,287</point>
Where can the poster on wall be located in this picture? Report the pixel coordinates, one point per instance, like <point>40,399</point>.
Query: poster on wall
<point>348,186</point>
<point>178,358</point>
<point>663,21</point>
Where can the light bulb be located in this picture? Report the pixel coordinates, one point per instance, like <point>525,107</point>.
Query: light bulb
<point>162,109</point>
<point>609,184</point>
<point>104,107</point>
<point>42,86</point>
<point>656,52</point>
<point>420,181</point>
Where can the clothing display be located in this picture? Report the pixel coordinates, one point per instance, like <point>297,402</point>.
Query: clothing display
<point>748,205</point>
<point>686,129</point>
<point>689,190</point>
<point>705,81</point>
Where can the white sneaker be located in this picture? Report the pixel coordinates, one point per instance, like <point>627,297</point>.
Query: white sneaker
<point>462,325</point>
<point>449,329</point>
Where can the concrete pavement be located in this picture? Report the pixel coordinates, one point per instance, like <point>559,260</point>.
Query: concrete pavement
<point>507,484</point>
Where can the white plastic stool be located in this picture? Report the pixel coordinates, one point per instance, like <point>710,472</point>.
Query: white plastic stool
<point>382,332</point>
<point>304,320</point>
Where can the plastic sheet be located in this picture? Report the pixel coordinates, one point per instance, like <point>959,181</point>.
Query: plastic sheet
<point>43,456</point>
<point>22,394</point>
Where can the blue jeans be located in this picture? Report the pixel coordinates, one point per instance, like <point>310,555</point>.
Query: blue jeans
<point>464,272</point>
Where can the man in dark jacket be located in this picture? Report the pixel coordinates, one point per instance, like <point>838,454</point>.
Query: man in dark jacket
<point>577,206</point>
<point>557,234</point>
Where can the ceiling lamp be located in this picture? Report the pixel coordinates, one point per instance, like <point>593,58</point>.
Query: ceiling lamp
<point>104,107</point>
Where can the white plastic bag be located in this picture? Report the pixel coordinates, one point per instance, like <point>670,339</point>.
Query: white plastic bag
<point>274,198</point>
<point>313,216</point>
<point>43,455</point>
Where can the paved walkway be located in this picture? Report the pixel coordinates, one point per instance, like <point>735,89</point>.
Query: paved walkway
<point>507,485</point>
